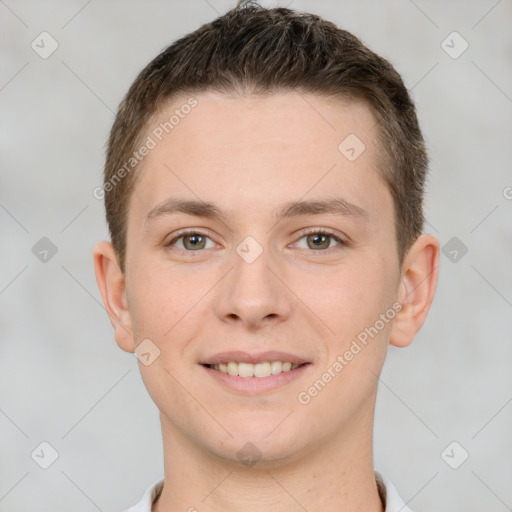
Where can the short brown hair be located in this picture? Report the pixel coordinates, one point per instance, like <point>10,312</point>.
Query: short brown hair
<point>255,50</point>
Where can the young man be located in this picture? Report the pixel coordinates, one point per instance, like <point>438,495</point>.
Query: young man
<point>263,191</point>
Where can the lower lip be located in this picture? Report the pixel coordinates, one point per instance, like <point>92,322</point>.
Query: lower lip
<point>255,385</point>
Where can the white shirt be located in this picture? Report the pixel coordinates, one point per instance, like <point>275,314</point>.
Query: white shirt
<point>387,491</point>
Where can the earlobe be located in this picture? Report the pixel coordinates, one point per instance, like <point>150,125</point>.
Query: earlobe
<point>112,286</point>
<point>417,288</point>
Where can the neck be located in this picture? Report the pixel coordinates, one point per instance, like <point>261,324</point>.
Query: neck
<point>335,475</point>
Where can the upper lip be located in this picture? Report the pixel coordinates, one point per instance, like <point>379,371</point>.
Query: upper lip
<point>239,356</point>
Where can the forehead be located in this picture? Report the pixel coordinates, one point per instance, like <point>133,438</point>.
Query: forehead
<point>257,119</point>
<point>255,149</point>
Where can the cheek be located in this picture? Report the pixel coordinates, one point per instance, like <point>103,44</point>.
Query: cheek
<point>157,302</point>
<point>351,306</point>
<point>164,310</point>
<point>171,307</point>
<point>351,298</point>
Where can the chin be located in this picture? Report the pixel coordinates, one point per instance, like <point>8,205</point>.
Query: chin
<point>260,443</point>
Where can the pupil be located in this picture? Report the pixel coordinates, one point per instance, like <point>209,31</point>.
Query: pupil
<point>317,237</point>
<point>194,240</point>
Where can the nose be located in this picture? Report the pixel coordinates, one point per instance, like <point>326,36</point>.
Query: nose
<point>253,293</point>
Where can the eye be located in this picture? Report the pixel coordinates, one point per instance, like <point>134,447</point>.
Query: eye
<point>320,240</point>
<point>192,241</point>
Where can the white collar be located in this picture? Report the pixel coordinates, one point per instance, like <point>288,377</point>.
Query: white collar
<point>390,496</point>
<point>387,490</point>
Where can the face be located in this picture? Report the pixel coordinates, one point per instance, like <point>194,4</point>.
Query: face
<point>250,231</point>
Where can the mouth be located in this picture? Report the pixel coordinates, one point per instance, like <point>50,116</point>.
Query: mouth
<point>258,370</point>
<point>249,374</point>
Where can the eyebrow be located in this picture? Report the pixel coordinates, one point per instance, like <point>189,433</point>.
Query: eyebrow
<point>334,205</point>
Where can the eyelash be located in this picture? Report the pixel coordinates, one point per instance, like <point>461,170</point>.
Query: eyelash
<point>307,232</point>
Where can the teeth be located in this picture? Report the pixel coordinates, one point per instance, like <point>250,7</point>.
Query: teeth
<point>276,367</point>
<point>255,370</point>
<point>261,370</point>
<point>245,369</point>
<point>232,369</point>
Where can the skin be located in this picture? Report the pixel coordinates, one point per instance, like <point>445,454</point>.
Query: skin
<point>250,155</point>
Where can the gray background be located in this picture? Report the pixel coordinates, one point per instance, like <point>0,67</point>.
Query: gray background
<point>63,379</point>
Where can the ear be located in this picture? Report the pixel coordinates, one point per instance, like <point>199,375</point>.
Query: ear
<point>111,283</point>
<point>417,288</point>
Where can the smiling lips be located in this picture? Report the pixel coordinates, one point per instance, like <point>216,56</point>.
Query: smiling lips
<point>243,364</point>
<point>264,369</point>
